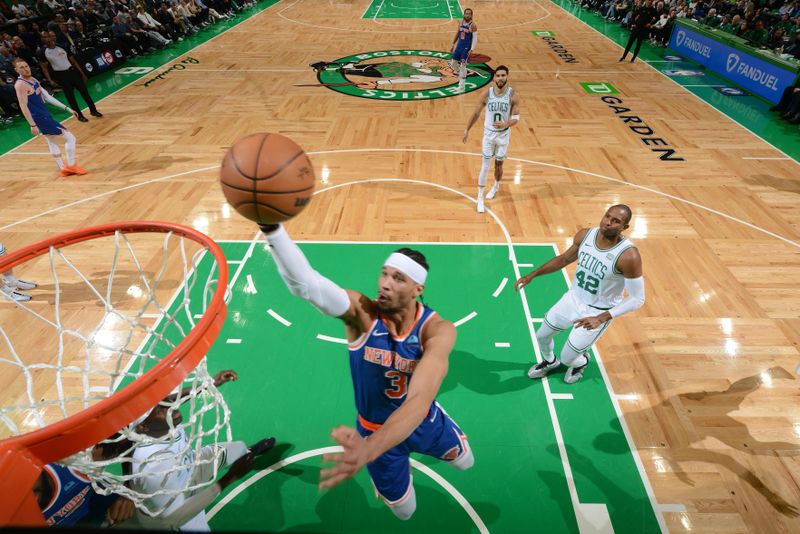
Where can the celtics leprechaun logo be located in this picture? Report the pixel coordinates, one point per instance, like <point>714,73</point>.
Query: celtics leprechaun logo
<point>399,75</point>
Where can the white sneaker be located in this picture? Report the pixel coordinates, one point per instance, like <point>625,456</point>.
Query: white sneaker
<point>13,294</point>
<point>576,373</point>
<point>541,369</point>
<point>481,209</point>
<point>462,86</point>
<point>493,191</point>
<point>22,284</point>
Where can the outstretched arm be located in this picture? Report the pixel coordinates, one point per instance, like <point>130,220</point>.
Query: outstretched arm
<point>475,115</point>
<point>557,263</point>
<point>303,281</point>
<point>53,102</point>
<point>425,383</point>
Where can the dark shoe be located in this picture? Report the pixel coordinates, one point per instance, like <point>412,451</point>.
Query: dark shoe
<point>621,59</point>
<point>82,118</point>
<point>795,119</point>
<point>775,108</point>
<point>632,60</point>
<point>96,113</point>
<point>265,445</point>
<point>786,115</point>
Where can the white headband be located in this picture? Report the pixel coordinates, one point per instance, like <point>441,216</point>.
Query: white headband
<point>407,266</point>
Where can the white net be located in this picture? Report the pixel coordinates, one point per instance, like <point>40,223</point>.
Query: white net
<point>97,322</point>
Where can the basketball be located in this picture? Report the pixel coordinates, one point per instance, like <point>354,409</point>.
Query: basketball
<point>267,178</point>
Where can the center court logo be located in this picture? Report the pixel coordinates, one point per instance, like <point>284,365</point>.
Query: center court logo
<point>399,75</point>
<point>733,60</point>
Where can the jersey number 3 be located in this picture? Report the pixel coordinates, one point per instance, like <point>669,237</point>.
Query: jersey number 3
<point>399,384</point>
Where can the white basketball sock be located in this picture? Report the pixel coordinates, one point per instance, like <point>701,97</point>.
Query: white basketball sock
<point>69,146</point>
<point>54,150</point>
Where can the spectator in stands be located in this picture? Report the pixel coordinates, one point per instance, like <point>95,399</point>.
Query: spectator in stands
<point>20,11</point>
<point>151,25</point>
<point>6,68</point>
<point>758,35</point>
<point>135,42</point>
<point>8,99</point>
<point>793,48</point>
<point>712,19</point>
<point>27,36</point>
<point>775,41</point>
<point>167,21</point>
<point>732,24</point>
<point>68,73</point>
<point>63,38</point>
<point>22,50</point>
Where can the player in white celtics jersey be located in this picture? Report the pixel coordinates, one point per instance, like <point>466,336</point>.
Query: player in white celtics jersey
<point>501,103</point>
<point>608,265</point>
<point>171,464</point>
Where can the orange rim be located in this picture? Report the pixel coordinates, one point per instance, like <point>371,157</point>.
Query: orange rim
<point>23,457</point>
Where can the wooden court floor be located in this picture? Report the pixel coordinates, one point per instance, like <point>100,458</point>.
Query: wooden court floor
<point>705,372</point>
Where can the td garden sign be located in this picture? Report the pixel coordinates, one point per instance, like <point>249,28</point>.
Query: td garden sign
<point>399,75</point>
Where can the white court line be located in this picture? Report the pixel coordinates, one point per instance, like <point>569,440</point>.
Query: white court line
<point>332,339</point>
<point>757,158</point>
<point>500,287</point>
<point>251,287</point>
<point>197,315</point>
<point>99,389</point>
<point>561,396</point>
<point>502,344</point>
<point>278,318</point>
<point>676,83</point>
<point>526,265</point>
<point>151,316</point>
<point>432,151</point>
<point>28,153</point>
<point>234,262</point>
<point>628,397</point>
<point>465,319</point>
<point>233,341</point>
<point>700,85</point>
<point>335,449</point>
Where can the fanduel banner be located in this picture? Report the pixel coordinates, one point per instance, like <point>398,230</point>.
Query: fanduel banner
<point>756,75</point>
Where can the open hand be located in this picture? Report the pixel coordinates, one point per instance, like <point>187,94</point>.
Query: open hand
<point>522,282</point>
<point>354,457</point>
<point>590,323</point>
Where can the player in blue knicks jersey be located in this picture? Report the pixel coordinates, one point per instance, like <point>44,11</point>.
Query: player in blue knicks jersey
<point>463,43</point>
<point>399,351</point>
<point>67,499</point>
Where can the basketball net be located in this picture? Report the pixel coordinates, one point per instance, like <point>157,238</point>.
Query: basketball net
<point>119,304</point>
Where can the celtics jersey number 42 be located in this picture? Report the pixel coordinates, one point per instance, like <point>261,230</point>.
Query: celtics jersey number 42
<point>597,282</point>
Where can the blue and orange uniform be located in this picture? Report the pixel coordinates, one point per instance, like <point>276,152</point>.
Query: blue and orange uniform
<point>73,499</point>
<point>382,367</point>
<point>45,122</point>
<point>464,43</point>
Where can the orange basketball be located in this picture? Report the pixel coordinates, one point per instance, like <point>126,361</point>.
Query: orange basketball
<point>267,178</point>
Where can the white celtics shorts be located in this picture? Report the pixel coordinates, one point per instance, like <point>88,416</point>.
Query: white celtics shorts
<point>564,314</point>
<point>495,144</point>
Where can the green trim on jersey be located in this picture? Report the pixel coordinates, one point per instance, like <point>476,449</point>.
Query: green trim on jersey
<point>607,249</point>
